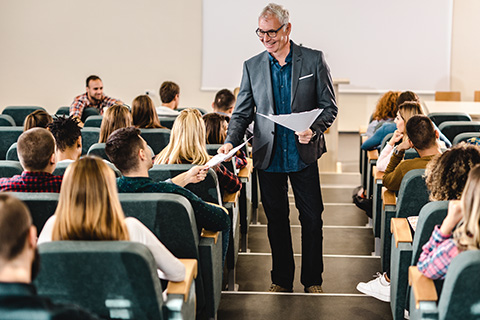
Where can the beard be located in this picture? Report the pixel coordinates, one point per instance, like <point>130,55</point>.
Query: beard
<point>35,265</point>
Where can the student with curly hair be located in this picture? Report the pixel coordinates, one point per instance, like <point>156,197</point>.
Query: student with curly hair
<point>385,111</point>
<point>68,138</point>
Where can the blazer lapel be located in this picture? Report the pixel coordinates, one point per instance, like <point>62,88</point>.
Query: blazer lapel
<point>296,67</point>
<point>267,80</point>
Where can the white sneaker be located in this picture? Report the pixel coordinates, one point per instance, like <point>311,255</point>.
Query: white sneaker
<point>378,288</point>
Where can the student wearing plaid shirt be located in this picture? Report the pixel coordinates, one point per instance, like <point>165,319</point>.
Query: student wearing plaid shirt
<point>36,151</point>
<point>93,98</point>
<point>444,244</point>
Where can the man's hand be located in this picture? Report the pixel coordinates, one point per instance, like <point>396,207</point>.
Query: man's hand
<point>196,174</point>
<point>225,148</point>
<point>304,137</point>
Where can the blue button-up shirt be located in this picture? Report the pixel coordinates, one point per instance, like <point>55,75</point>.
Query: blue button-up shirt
<point>286,157</point>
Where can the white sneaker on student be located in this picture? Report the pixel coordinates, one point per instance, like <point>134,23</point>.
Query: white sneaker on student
<point>378,288</point>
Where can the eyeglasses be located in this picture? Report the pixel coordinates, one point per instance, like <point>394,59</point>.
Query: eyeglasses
<point>271,33</point>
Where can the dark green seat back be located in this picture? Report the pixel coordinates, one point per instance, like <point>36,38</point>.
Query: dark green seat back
<point>65,110</point>
<point>413,194</point>
<point>157,139</point>
<point>109,278</point>
<point>440,117</point>
<point>88,112</point>
<point>8,136</point>
<point>464,136</point>
<point>10,168</point>
<point>98,149</point>
<point>6,121</point>
<point>208,189</point>
<point>90,135</point>
<point>167,121</point>
<point>452,128</point>
<point>12,154</point>
<point>94,121</point>
<point>19,113</point>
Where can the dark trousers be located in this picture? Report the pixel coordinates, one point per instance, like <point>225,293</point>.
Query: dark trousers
<point>308,200</point>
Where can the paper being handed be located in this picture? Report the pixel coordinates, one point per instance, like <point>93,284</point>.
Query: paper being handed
<point>220,157</point>
<point>298,122</point>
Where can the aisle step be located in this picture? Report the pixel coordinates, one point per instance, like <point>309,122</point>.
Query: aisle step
<point>341,275</point>
<point>327,178</point>
<point>336,240</point>
<point>243,306</point>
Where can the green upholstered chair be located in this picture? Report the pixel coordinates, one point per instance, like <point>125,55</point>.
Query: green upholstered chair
<point>65,111</point>
<point>440,117</point>
<point>113,279</point>
<point>8,136</point>
<point>412,196</point>
<point>167,121</point>
<point>88,112</point>
<point>90,135</point>
<point>464,136</point>
<point>171,218</point>
<point>10,168</point>
<point>93,121</point>
<point>12,154</point>
<point>406,253</point>
<point>6,121</point>
<point>208,189</point>
<point>460,297</point>
<point>42,205</point>
<point>98,149</point>
<point>19,113</point>
<point>62,166</point>
<point>157,139</point>
<point>452,128</point>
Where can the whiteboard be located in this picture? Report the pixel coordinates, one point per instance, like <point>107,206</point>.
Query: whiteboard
<point>378,44</point>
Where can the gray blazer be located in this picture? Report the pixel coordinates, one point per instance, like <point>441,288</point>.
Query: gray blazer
<point>312,88</point>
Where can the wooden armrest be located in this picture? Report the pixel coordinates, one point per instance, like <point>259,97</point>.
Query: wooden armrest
<point>388,197</point>
<point>210,234</point>
<point>423,287</point>
<point>372,154</point>
<point>183,287</point>
<point>379,174</point>
<point>231,198</point>
<point>400,230</point>
<point>247,170</point>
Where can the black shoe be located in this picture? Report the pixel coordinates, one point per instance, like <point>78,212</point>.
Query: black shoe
<point>364,204</point>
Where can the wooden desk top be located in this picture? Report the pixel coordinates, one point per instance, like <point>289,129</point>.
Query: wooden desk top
<point>470,107</point>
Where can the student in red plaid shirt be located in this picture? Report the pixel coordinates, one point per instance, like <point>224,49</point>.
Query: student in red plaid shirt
<point>36,151</point>
<point>93,98</point>
<point>445,244</point>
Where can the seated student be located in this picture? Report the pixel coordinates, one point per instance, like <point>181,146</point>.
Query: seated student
<point>187,145</point>
<point>19,265</point>
<point>93,98</point>
<point>89,209</point>
<point>130,154</point>
<point>114,118</point>
<point>216,126</point>
<point>445,244</point>
<point>36,152</point>
<point>68,138</point>
<point>144,114</point>
<point>385,111</point>
<point>170,96</point>
<point>38,118</point>
<point>224,103</point>
<point>422,136</point>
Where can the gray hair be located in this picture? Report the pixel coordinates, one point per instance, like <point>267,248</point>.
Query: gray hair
<point>276,10</point>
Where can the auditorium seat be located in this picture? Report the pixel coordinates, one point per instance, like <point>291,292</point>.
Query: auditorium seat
<point>19,113</point>
<point>440,117</point>
<point>8,135</point>
<point>63,111</point>
<point>171,218</point>
<point>113,279</point>
<point>93,121</point>
<point>10,168</point>
<point>6,121</point>
<point>157,139</point>
<point>406,250</point>
<point>452,128</point>
<point>460,296</point>
<point>62,166</point>
<point>12,154</point>
<point>98,149</point>
<point>464,136</point>
<point>448,96</point>
<point>90,135</point>
<point>167,121</point>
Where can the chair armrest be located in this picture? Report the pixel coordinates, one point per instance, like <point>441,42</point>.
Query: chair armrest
<point>379,174</point>
<point>400,230</point>
<point>230,199</point>
<point>210,234</point>
<point>183,287</point>
<point>388,197</point>
<point>423,287</point>
<point>245,172</point>
<point>372,154</point>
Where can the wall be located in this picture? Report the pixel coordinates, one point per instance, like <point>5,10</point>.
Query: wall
<point>49,47</point>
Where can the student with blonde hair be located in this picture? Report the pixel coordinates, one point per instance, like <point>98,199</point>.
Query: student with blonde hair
<point>115,117</point>
<point>445,243</point>
<point>89,209</point>
<point>144,114</point>
<point>187,145</point>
